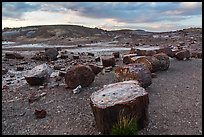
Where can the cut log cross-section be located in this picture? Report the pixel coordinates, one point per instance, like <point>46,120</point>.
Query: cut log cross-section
<point>117,100</point>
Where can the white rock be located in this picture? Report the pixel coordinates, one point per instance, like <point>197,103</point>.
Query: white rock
<point>77,89</point>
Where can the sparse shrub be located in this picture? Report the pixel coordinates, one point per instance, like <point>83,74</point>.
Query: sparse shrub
<point>125,126</point>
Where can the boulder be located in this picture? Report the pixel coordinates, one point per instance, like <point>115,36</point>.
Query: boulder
<point>118,100</point>
<point>38,75</point>
<point>79,75</point>
<point>13,55</point>
<point>108,61</point>
<point>183,54</point>
<point>51,53</point>
<point>135,71</point>
<point>164,61</point>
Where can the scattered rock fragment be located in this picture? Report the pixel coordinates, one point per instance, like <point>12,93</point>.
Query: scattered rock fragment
<point>77,89</point>
<point>38,75</point>
<point>51,53</point>
<point>40,113</point>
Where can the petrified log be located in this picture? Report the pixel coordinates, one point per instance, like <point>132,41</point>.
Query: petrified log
<point>150,61</point>
<point>108,61</point>
<point>79,75</point>
<point>164,61</point>
<point>166,50</point>
<point>183,54</point>
<point>117,100</point>
<point>196,54</point>
<point>136,71</point>
<point>13,55</point>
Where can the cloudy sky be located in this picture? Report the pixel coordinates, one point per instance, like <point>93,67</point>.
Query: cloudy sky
<point>151,16</point>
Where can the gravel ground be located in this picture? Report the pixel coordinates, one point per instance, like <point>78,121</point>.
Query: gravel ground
<point>175,105</point>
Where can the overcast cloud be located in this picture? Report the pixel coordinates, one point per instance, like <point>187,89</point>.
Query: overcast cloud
<point>109,14</point>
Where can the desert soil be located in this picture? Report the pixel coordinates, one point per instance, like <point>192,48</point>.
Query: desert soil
<point>175,105</point>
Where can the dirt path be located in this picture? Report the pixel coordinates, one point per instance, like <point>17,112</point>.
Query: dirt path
<point>175,105</point>
<point>176,100</point>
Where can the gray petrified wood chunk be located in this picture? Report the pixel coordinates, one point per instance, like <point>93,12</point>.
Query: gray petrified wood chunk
<point>125,98</point>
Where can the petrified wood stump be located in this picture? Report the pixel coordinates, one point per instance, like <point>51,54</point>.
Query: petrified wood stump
<point>120,99</point>
<point>136,71</point>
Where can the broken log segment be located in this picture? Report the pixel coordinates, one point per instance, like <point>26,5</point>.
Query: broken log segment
<point>108,61</point>
<point>183,54</point>
<point>136,71</point>
<point>150,61</point>
<point>164,61</point>
<point>115,100</point>
<point>79,75</point>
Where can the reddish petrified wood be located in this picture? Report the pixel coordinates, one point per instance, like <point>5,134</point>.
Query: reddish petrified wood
<point>120,99</point>
<point>136,71</point>
<point>108,61</point>
<point>79,75</point>
<point>183,54</point>
<point>150,61</point>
